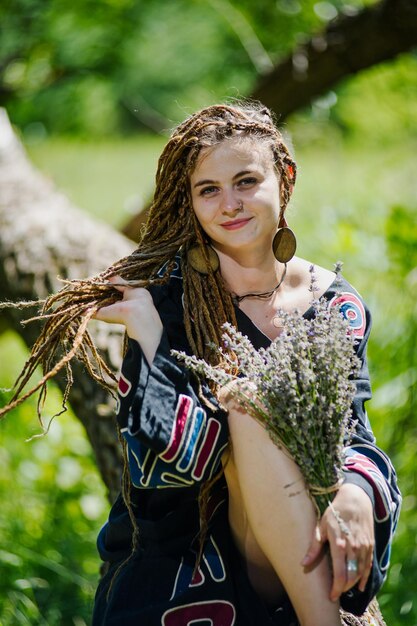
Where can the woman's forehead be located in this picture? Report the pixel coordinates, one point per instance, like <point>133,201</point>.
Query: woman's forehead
<point>236,150</point>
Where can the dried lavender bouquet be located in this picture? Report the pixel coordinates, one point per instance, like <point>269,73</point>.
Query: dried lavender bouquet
<point>300,388</point>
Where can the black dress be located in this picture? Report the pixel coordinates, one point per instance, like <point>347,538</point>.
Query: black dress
<point>175,445</point>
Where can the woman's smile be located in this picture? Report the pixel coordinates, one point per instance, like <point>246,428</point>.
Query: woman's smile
<point>236,224</point>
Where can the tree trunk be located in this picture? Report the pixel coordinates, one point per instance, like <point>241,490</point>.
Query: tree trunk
<point>350,44</point>
<point>42,237</point>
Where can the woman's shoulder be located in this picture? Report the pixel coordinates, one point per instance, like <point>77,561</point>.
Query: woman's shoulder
<point>302,277</point>
<point>303,274</point>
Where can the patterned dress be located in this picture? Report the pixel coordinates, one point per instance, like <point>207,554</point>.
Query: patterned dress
<point>175,443</point>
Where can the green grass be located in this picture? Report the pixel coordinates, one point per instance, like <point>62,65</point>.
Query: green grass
<point>53,504</point>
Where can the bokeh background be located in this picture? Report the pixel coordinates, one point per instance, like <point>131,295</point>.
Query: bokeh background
<point>92,89</point>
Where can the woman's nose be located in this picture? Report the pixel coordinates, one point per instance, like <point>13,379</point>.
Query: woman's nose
<point>230,204</point>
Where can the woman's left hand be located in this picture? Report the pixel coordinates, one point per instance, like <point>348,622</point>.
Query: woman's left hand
<point>348,527</point>
<point>137,312</point>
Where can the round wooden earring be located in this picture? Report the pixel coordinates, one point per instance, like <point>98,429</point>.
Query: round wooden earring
<point>284,245</point>
<point>196,258</point>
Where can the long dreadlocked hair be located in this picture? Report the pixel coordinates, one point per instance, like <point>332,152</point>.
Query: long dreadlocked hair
<point>171,229</point>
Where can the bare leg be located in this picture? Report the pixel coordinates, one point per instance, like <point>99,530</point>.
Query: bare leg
<point>272,528</point>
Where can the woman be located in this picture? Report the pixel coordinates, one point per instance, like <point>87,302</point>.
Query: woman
<point>204,531</point>
<point>199,466</point>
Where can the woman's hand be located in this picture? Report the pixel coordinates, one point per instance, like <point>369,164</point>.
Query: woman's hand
<point>137,312</point>
<point>348,526</point>
<point>239,394</point>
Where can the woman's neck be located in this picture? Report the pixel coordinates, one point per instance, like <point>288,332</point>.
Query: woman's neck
<point>256,273</point>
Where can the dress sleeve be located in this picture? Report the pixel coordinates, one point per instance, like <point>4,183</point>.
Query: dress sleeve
<point>174,438</point>
<point>365,464</point>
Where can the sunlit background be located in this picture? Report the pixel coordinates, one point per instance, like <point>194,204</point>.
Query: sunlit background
<point>92,89</point>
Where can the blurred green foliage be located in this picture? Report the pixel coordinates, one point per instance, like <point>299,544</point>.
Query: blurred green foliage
<point>104,66</point>
<point>52,505</point>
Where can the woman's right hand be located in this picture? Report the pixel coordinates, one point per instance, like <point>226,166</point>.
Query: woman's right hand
<point>137,312</point>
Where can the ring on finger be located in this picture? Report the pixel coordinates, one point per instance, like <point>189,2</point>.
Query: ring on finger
<point>352,566</point>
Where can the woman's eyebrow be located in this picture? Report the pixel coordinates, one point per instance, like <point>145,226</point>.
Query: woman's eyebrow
<point>215,182</point>
<point>205,182</point>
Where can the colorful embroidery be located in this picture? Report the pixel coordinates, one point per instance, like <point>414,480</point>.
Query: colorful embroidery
<point>352,310</point>
<point>374,468</point>
<point>213,612</point>
<point>124,385</point>
<point>192,453</point>
<point>213,565</point>
<point>182,413</point>
<point>176,271</point>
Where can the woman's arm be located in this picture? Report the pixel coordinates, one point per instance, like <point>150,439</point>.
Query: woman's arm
<point>174,438</point>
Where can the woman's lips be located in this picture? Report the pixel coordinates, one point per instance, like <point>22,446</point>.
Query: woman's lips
<point>235,224</point>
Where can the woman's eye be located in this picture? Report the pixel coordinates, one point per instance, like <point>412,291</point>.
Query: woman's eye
<point>247,182</point>
<point>208,190</point>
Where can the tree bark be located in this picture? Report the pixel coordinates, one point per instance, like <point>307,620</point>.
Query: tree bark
<point>350,43</point>
<point>42,236</point>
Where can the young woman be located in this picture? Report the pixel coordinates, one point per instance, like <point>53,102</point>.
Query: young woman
<point>204,531</point>
<point>211,244</point>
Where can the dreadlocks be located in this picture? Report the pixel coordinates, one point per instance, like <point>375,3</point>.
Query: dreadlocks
<point>171,229</point>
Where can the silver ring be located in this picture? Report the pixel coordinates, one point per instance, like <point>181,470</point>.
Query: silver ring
<point>352,566</point>
<point>240,205</point>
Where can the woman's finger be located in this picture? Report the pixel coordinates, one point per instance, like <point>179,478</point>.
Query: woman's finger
<point>367,569</point>
<point>354,565</point>
<point>117,282</point>
<point>110,313</point>
<point>315,548</point>
<point>338,556</point>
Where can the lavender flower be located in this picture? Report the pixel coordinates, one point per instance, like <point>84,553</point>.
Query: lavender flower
<point>300,388</point>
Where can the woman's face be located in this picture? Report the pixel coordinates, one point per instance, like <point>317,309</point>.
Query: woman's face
<point>235,195</point>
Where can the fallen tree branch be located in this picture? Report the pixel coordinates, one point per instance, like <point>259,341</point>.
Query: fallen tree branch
<point>43,237</point>
<point>350,43</point>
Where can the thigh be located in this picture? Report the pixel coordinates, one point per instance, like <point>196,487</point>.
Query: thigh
<point>259,569</point>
